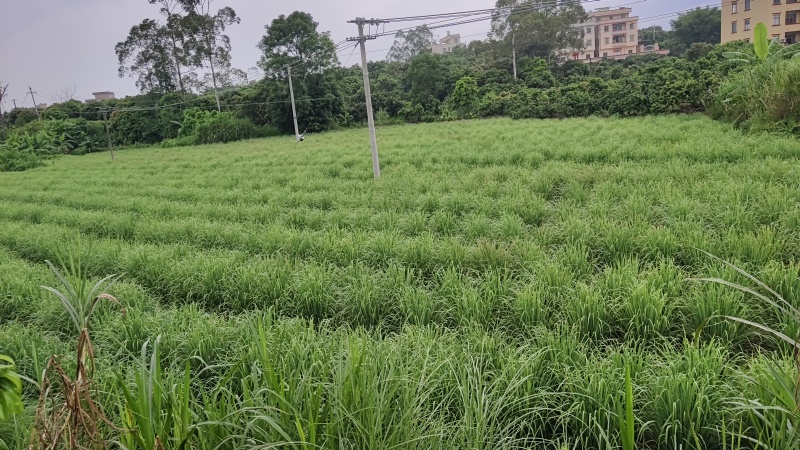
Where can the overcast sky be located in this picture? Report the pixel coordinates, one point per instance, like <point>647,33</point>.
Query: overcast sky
<point>53,44</point>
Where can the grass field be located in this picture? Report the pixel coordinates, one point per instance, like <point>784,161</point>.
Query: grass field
<point>487,292</point>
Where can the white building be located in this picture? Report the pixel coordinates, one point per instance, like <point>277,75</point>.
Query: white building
<point>447,44</point>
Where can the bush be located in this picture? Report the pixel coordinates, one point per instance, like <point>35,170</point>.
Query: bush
<point>494,104</point>
<point>763,98</point>
<point>571,100</point>
<point>183,141</point>
<point>15,159</point>
<point>135,127</point>
<point>532,104</point>
<point>224,127</point>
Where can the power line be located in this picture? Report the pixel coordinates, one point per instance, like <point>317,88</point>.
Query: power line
<point>351,55</point>
<point>511,10</point>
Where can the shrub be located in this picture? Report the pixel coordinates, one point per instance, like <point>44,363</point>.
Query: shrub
<point>17,160</point>
<point>412,112</point>
<point>571,100</point>
<point>183,141</point>
<point>224,127</point>
<point>763,98</point>
<point>132,127</point>
<point>532,104</point>
<point>494,104</point>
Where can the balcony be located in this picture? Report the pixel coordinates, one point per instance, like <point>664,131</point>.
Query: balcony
<point>792,18</point>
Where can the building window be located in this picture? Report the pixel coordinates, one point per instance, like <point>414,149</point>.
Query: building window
<point>776,19</point>
<point>791,19</point>
<point>619,39</point>
<point>776,37</point>
<point>633,25</point>
<point>588,43</point>
<point>733,27</point>
<point>747,5</point>
<point>606,40</point>
<point>776,2</point>
<point>734,7</point>
<point>746,24</point>
<point>630,52</point>
<point>633,38</point>
<point>605,28</point>
<point>605,54</point>
<point>588,30</point>
<point>617,52</point>
<point>588,56</point>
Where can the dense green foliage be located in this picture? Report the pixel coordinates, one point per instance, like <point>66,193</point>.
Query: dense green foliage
<point>490,291</point>
<point>763,96</point>
<point>26,148</point>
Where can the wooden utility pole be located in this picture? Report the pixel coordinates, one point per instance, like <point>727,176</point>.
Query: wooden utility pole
<point>376,166</point>
<point>35,107</point>
<point>108,134</point>
<point>294,108</point>
<point>3,89</point>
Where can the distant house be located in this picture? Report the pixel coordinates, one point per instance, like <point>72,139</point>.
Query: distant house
<point>446,44</point>
<point>613,34</point>
<point>105,95</point>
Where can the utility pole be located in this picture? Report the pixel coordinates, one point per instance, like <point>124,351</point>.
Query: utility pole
<point>35,107</point>
<point>15,102</point>
<point>108,135</point>
<point>294,108</point>
<point>376,166</point>
<point>514,54</point>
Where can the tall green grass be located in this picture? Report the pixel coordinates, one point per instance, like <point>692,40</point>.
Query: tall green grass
<point>504,285</point>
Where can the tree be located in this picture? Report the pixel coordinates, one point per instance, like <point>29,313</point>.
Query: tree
<point>653,35</point>
<point>164,57</point>
<point>465,96</point>
<point>294,40</point>
<point>425,79</point>
<point>175,31</point>
<point>146,55</point>
<point>410,44</point>
<point>698,25</point>
<point>206,40</point>
<point>539,27</point>
<point>67,93</point>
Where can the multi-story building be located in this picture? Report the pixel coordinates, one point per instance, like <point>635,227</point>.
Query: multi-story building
<point>446,44</point>
<point>611,33</point>
<point>782,18</point>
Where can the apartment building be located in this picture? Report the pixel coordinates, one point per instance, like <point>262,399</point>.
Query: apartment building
<point>611,33</point>
<point>740,17</point>
<point>446,44</point>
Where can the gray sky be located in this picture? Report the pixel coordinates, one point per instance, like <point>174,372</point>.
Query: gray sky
<point>53,44</point>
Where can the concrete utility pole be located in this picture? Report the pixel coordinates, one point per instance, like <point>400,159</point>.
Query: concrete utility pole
<point>35,107</point>
<point>376,166</point>
<point>108,134</point>
<point>294,108</point>
<point>514,54</point>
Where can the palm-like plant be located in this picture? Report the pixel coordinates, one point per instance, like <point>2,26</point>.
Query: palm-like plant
<point>70,414</point>
<point>10,389</point>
